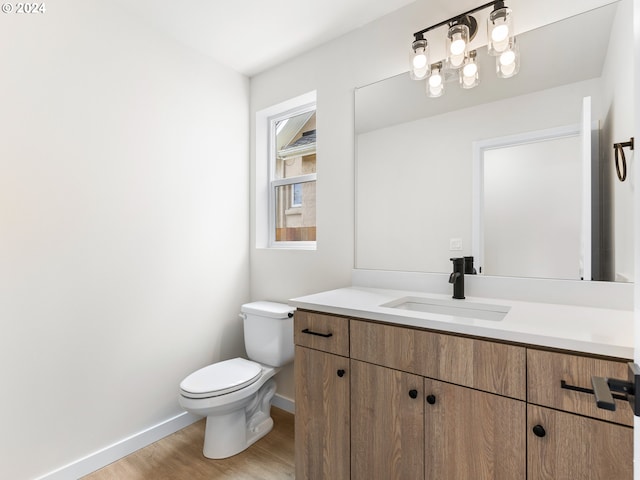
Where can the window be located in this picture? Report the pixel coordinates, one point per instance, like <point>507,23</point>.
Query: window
<point>292,178</point>
<point>296,195</point>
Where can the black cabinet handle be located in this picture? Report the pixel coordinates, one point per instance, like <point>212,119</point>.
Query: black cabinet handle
<point>539,431</point>
<point>604,398</point>
<point>341,373</point>
<point>431,399</point>
<point>590,391</point>
<point>309,332</point>
<point>413,393</point>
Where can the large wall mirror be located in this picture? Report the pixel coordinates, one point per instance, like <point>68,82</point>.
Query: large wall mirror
<point>417,176</point>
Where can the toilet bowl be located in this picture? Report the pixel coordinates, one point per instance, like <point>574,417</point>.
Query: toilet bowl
<point>235,395</point>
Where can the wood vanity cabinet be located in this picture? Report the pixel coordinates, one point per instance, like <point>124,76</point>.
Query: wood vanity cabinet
<point>462,427</point>
<point>417,404</point>
<point>322,419</point>
<point>568,435</point>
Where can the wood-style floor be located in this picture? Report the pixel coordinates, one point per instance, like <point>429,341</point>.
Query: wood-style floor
<point>179,456</point>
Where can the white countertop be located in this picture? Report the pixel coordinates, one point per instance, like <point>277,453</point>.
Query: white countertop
<point>597,331</point>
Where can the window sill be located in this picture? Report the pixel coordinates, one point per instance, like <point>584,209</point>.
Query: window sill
<point>293,211</point>
<point>292,246</point>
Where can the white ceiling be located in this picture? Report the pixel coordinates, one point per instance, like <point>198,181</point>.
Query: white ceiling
<point>252,35</point>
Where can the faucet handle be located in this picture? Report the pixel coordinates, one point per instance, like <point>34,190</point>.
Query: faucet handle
<point>468,266</point>
<point>458,264</point>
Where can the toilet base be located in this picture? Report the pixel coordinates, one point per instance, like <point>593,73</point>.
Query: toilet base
<point>230,433</point>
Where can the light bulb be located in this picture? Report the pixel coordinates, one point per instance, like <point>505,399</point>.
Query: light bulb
<point>508,63</point>
<point>419,60</point>
<point>469,81</point>
<point>435,84</point>
<point>507,58</point>
<point>435,80</point>
<point>470,70</point>
<point>499,30</point>
<point>469,74</point>
<point>456,60</point>
<point>500,33</point>
<point>507,70</point>
<point>436,91</point>
<point>457,45</point>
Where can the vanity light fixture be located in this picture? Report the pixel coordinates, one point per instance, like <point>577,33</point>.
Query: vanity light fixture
<point>508,62</point>
<point>458,38</point>
<point>499,29</point>
<point>420,66</point>
<point>435,82</point>
<point>461,62</point>
<point>469,77</point>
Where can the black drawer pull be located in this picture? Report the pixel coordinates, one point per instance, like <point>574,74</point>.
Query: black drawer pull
<point>431,399</point>
<point>590,391</point>
<point>413,393</point>
<point>309,332</point>
<point>341,373</point>
<point>604,398</point>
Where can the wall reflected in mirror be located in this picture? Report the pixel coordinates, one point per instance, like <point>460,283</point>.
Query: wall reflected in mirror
<point>414,158</point>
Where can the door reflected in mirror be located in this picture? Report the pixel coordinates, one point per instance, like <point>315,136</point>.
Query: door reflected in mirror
<point>524,232</point>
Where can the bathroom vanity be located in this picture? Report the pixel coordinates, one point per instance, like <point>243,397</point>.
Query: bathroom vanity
<point>388,390</point>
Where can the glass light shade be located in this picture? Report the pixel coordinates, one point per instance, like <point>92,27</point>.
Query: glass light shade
<point>435,83</point>
<point>419,67</point>
<point>508,62</point>
<point>469,76</point>
<point>457,45</point>
<point>499,30</point>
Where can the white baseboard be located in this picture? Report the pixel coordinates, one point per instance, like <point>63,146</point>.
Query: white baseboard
<point>118,450</point>
<point>121,449</point>
<point>284,403</point>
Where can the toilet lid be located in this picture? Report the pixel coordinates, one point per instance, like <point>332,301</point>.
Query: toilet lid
<point>221,378</point>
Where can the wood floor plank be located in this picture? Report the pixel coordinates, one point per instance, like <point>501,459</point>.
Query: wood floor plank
<point>179,456</point>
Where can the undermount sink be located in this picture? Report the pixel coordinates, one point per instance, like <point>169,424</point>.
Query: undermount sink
<point>454,308</point>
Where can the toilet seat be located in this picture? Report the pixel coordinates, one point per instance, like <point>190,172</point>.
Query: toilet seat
<point>221,378</point>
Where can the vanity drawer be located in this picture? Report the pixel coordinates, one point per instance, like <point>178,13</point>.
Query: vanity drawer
<point>549,371</point>
<point>328,333</point>
<point>483,365</point>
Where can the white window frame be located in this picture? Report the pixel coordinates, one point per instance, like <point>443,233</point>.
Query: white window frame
<point>275,183</point>
<point>265,214</point>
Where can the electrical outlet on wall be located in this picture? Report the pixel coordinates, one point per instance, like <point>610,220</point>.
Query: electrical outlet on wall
<point>455,244</point>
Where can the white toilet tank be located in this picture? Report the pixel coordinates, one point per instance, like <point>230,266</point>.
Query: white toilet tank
<point>268,332</point>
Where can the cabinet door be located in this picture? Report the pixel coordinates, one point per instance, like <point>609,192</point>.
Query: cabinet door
<point>387,429</point>
<point>322,415</point>
<point>566,446</point>
<point>473,434</point>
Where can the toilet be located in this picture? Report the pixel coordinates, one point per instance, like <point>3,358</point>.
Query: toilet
<point>235,395</point>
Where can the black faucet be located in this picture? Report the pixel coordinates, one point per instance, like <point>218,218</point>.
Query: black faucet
<point>457,278</point>
<point>469,269</point>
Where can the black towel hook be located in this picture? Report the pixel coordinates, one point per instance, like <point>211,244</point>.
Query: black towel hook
<point>621,166</point>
